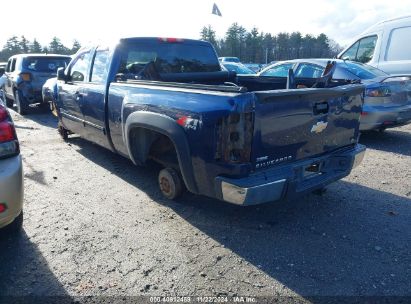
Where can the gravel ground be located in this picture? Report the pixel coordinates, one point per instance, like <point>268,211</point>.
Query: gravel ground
<point>97,225</point>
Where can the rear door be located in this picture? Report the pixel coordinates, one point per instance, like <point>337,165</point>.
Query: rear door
<point>296,124</point>
<point>70,98</point>
<point>93,100</point>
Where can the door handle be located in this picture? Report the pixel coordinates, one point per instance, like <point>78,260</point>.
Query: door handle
<point>321,108</point>
<point>78,96</point>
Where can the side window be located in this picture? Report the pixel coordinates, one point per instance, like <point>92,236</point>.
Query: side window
<point>366,49</point>
<point>351,53</point>
<point>78,71</point>
<point>306,70</point>
<point>100,70</point>
<point>8,69</point>
<point>13,65</point>
<point>278,71</point>
<point>398,47</point>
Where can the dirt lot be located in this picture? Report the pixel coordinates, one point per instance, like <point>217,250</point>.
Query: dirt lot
<point>97,225</point>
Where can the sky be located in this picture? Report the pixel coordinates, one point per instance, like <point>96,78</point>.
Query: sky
<point>107,20</point>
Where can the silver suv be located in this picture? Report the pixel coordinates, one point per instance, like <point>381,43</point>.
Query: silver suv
<point>11,174</point>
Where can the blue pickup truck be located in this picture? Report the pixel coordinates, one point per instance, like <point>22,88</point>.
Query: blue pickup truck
<point>241,139</point>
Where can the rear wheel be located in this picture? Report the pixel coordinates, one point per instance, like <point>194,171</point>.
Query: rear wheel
<point>170,183</point>
<point>64,133</point>
<point>21,103</point>
<point>53,108</point>
<point>15,226</point>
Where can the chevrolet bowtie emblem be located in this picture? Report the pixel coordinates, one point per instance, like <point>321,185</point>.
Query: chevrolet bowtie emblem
<point>319,127</point>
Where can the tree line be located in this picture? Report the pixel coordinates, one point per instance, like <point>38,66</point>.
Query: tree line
<point>20,45</point>
<point>259,47</point>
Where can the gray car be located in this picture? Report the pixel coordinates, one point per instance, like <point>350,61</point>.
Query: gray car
<point>26,74</point>
<point>11,174</point>
<point>387,101</point>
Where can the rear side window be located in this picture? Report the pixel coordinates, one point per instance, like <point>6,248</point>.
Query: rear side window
<point>100,69</point>
<point>399,47</point>
<point>306,70</point>
<point>45,64</point>
<point>278,70</point>
<point>79,69</point>
<point>13,65</point>
<point>8,68</point>
<point>164,58</point>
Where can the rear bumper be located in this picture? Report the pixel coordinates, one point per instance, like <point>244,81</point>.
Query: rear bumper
<point>289,180</point>
<point>31,93</point>
<point>384,117</point>
<point>11,188</point>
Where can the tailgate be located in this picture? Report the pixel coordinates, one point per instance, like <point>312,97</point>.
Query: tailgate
<point>39,78</point>
<point>296,124</point>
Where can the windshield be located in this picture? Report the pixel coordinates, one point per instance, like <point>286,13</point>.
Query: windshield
<point>362,71</point>
<point>178,57</point>
<point>45,64</point>
<point>238,68</point>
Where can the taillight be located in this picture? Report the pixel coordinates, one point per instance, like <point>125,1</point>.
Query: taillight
<point>378,92</point>
<point>170,40</point>
<point>9,145</point>
<point>6,131</point>
<point>25,76</point>
<point>3,207</point>
<point>234,138</point>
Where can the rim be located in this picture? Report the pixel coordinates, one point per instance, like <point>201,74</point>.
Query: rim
<point>165,185</point>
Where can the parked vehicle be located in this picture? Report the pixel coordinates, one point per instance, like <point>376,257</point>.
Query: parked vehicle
<point>242,139</point>
<point>384,45</point>
<point>49,93</point>
<point>239,68</point>
<point>26,74</point>
<point>255,67</point>
<point>11,174</point>
<point>2,68</point>
<point>387,101</point>
<point>229,59</point>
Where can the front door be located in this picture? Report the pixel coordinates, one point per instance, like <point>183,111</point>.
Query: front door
<point>70,99</point>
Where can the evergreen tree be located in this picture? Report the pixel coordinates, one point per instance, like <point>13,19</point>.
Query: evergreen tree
<point>76,46</point>
<point>35,47</point>
<point>24,45</point>
<point>258,47</point>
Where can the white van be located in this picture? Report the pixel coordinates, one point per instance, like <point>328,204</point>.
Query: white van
<point>385,45</point>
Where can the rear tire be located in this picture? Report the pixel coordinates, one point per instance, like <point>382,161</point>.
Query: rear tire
<point>170,183</point>
<point>64,133</point>
<point>21,103</point>
<point>53,108</point>
<point>14,227</point>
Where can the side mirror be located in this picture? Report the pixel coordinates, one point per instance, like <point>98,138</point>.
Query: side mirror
<point>61,75</point>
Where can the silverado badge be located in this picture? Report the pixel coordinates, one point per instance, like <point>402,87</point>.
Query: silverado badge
<point>319,127</point>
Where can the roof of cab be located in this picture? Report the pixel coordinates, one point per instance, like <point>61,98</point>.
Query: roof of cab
<point>164,39</point>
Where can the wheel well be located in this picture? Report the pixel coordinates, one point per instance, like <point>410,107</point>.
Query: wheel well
<point>146,144</point>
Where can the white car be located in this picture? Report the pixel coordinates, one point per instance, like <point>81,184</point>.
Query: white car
<point>385,46</point>
<point>11,174</point>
